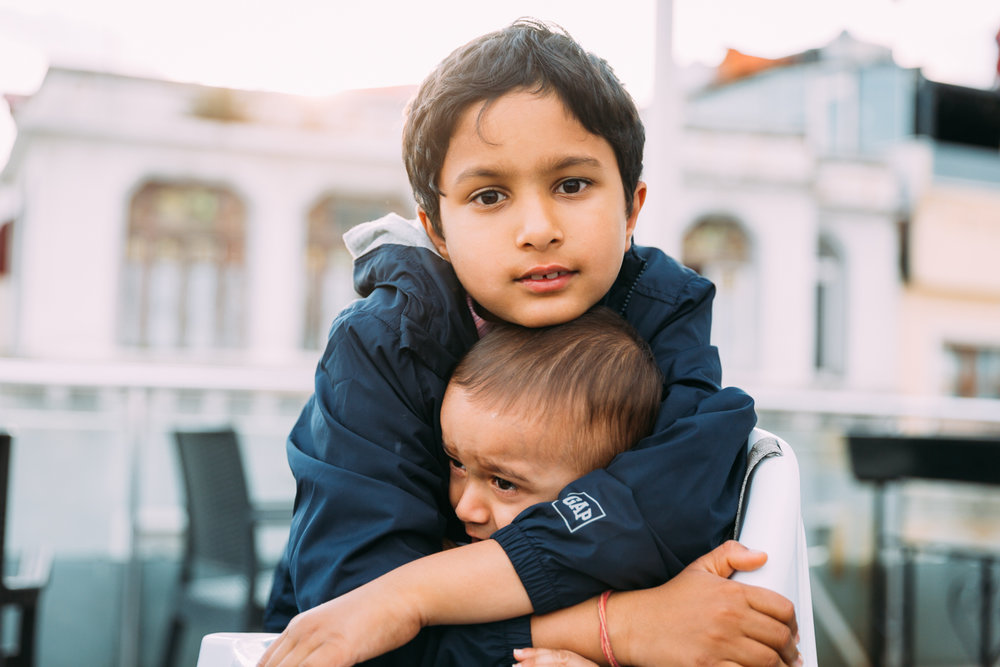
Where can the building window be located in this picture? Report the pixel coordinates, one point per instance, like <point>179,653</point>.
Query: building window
<point>6,249</point>
<point>329,267</point>
<point>974,371</point>
<point>837,99</point>
<point>183,283</point>
<point>718,248</point>
<point>830,309</point>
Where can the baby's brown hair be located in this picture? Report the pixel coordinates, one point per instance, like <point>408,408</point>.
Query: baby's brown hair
<point>594,371</point>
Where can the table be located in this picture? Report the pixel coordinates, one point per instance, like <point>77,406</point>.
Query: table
<point>888,459</point>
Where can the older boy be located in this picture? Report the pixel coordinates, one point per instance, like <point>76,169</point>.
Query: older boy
<point>524,153</point>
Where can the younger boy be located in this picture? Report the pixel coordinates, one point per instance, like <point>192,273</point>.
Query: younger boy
<point>524,153</point>
<point>526,412</point>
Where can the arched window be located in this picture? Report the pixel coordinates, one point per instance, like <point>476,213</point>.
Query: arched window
<point>717,247</point>
<point>329,267</point>
<point>6,249</point>
<point>831,309</point>
<point>7,318</point>
<point>183,283</point>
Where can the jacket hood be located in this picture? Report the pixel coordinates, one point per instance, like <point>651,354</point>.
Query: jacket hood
<point>389,228</point>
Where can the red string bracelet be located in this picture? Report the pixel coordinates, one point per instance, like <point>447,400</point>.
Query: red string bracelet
<point>602,611</point>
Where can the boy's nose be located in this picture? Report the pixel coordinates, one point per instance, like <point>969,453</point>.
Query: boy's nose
<point>470,507</point>
<point>538,228</point>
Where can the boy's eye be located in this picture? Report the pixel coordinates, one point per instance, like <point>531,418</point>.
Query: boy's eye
<point>504,485</point>
<point>573,186</point>
<point>489,197</point>
<point>456,464</point>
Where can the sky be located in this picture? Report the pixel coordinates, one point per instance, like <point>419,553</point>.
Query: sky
<point>318,47</point>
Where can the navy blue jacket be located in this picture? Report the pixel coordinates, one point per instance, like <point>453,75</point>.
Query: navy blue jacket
<point>372,479</point>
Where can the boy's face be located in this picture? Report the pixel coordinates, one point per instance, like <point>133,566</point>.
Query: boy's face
<point>532,210</point>
<point>498,466</point>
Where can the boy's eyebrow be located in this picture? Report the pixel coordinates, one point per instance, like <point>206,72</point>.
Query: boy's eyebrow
<point>502,471</point>
<point>575,161</point>
<point>556,165</point>
<point>478,172</point>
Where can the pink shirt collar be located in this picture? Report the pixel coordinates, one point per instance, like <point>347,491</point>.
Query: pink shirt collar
<point>482,326</point>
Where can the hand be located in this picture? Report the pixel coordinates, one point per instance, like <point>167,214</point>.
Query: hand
<point>354,627</point>
<point>539,657</point>
<point>702,618</point>
<point>389,611</point>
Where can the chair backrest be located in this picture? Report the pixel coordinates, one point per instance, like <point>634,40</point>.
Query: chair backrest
<point>220,518</point>
<point>771,521</point>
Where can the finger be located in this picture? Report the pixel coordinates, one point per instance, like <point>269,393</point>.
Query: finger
<point>275,652</point>
<point>294,649</point>
<point>750,653</point>
<point>730,557</point>
<point>773,605</point>
<point>777,636</point>
<point>529,657</point>
<point>542,657</point>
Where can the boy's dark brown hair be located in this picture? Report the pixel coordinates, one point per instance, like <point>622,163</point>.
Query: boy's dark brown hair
<point>526,55</point>
<point>595,372</point>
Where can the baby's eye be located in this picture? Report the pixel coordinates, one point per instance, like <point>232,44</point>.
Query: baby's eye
<point>504,485</point>
<point>573,186</point>
<point>456,465</point>
<point>489,197</point>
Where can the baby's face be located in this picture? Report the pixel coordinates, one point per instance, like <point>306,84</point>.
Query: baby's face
<point>532,210</point>
<point>497,469</point>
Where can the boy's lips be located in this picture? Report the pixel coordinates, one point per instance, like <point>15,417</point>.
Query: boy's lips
<point>541,279</point>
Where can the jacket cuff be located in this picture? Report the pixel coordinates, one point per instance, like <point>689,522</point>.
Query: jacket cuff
<point>517,633</point>
<point>528,565</point>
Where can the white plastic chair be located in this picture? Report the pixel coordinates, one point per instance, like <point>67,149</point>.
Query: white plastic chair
<point>233,649</point>
<point>769,520</point>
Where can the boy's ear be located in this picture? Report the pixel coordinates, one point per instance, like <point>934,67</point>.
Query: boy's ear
<point>432,233</point>
<point>638,199</point>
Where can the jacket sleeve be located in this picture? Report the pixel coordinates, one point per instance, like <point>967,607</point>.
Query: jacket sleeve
<point>371,488</point>
<point>664,503</point>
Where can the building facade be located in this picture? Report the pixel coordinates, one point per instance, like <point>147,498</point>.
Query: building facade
<point>156,220</point>
<point>847,223</point>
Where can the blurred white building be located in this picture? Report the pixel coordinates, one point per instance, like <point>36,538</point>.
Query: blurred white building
<point>169,221</point>
<point>848,223</point>
<point>848,211</point>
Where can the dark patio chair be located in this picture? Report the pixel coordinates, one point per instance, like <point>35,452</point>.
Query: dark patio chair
<point>222,583</point>
<point>22,588</point>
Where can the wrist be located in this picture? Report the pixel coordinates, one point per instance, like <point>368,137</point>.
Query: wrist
<point>606,649</point>
<point>617,612</point>
<point>412,600</point>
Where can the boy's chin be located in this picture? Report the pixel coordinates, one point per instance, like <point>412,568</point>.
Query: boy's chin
<point>545,314</point>
<point>546,317</point>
